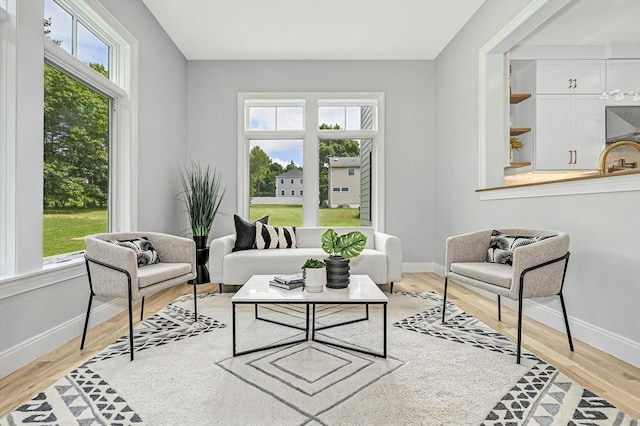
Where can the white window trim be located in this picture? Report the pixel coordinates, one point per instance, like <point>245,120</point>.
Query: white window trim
<point>310,138</point>
<point>7,137</point>
<point>493,66</point>
<point>122,85</point>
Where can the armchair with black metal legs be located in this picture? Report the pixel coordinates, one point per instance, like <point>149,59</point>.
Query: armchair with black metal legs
<point>514,263</point>
<point>113,270</point>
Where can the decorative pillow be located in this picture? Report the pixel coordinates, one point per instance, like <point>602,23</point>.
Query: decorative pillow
<point>246,233</point>
<point>274,237</point>
<point>146,254</point>
<point>501,246</point>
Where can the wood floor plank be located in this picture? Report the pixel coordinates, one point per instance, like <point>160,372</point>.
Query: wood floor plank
<point>614,380</point>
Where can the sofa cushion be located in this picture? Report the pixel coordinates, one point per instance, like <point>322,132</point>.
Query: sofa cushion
<point>494,273</point>
<point>146,254</point>
<point>275,237</point>
<point>246,232</point>
<point>501,246</point>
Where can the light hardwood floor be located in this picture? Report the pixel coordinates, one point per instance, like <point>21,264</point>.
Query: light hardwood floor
<point>614,380</point>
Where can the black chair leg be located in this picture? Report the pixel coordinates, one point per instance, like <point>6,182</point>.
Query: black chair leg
<point>220,288</point>
<point>86,322</point>
<point>131,327</point>
<point>566,321</point>
<point>444,302</point>
<point>141,308</point>
<point>195,302</point>
<point>391,289</point>
<point>519,330</point>
<point>499,310</point>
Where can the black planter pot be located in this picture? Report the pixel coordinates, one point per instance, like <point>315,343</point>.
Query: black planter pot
<point>337,272</point>
<point>202,257</point>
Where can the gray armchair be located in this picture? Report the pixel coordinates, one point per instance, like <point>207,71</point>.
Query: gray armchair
<point>113,269</point>
<point>522,268</point>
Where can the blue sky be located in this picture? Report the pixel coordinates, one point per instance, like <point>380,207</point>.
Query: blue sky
<point>90,48</point>
<point>281,151</point>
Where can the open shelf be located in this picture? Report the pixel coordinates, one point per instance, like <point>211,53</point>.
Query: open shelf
<point>516,98</point>
<point>515,131</point>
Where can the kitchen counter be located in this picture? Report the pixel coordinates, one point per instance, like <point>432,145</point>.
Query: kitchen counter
<point>540,176</point>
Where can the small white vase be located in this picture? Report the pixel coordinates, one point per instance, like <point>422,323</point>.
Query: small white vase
<point>315,279</point>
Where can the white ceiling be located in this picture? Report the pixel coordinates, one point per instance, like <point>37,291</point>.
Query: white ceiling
<point>591,22</point>
<point>312,29</point>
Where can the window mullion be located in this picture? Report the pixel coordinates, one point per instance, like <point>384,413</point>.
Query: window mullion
<point>74,35</point>
<point>311,171</point>
<point>59,58</point>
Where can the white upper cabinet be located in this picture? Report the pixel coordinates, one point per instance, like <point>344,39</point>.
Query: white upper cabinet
<point>570,76</point>
<point>569,131</point>
<point>623,74</point>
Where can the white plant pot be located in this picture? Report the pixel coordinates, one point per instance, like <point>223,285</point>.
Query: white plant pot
<point>315,279</point>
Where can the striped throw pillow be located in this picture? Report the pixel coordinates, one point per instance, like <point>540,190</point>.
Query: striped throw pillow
<point>275,237</point>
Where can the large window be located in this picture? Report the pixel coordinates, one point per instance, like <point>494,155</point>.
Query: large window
<point>76,162</point>
<point>89,146</point>
<point>76,138</point>
<point>308,159</point>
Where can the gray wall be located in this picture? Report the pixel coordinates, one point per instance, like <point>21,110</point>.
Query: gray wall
<point>161,118</point>
<point>602,289</point>
<point>40,311</point>
<point>408,88</point>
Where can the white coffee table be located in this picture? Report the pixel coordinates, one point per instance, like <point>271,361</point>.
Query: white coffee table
<point>361,291</point>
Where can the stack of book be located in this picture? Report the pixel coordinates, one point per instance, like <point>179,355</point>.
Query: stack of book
<point>287,281</point>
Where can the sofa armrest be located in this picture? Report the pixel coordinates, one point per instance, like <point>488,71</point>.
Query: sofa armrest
<point>219,248</point>
<point>471,247</point>
<point>390,245</point>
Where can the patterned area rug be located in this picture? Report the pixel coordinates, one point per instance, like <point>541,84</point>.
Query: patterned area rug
<point>458,373</point>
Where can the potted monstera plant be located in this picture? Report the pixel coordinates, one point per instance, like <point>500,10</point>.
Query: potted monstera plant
<point>202,194</point>
<point>341,248</point>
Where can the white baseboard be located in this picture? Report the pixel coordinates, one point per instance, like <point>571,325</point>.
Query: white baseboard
<point>618,346</point>
<point>439,269</point>
<point>28,351</point>
<point>615,345</point>
<point>417,267</point>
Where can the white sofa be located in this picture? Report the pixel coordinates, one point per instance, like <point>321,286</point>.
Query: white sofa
<point>381,259</point>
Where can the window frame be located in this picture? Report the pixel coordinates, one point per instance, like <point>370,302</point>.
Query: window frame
<point>311,137</point>
<point>8,98</point>
<point>122,86</point>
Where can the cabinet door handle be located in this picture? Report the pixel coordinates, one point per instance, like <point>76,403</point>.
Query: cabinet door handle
<point>575,157</point>
<point>575,83</point>
<point>570,84</point>
<point>570,157</point>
